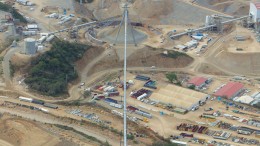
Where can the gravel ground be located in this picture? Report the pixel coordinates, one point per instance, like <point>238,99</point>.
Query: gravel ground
<point>111,33</point>
<point>184,13</point>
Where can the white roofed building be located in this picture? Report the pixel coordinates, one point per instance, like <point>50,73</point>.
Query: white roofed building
<point>244,99</point>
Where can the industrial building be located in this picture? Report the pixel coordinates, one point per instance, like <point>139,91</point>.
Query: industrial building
<point>230,90</point>
<point>198,82</point>
<point>178,96</point>
<point>30,46</point>
<point>244,99</point>
<point>256,97</point>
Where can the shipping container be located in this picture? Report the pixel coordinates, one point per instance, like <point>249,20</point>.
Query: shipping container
<point>44,110</point>
<point>38,101</point>
<point>142,78</point>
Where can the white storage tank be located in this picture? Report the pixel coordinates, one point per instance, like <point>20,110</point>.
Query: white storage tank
<point>29,46</point>
<point>254,11</point>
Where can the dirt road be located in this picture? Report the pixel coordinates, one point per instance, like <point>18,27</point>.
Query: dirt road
<point>44,119</point>
<point>6,64</point>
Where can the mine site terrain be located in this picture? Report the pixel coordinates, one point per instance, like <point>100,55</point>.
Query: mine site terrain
<point>192,72</point>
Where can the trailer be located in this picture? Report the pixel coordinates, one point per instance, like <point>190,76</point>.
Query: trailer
<point>143,113</point>
<point>116,105</point>
<point>109,100</point>
<point>142,96</point>
<point>29,33</point>
<point>25,99</point>
<point>142,78</point>
<point>50,105</point>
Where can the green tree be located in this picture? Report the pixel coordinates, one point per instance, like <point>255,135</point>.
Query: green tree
<point>192,87</point>
<point>86,93</point>
<point>163,144</point>
<point>257,105</point>
<point>171,77</point>
<point>50,73</point>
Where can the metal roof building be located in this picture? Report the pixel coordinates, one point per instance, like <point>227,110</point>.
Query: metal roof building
<point>230,90</point>
<point>179,96</point>
<point>198,81</point>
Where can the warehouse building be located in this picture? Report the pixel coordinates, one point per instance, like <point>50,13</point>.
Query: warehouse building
<point>178,96</point>
<point>244,99</point>
<point>198,82</point>
<point>230,90</point>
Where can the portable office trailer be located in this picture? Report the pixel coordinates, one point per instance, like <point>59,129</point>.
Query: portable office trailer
<point>25,99</point>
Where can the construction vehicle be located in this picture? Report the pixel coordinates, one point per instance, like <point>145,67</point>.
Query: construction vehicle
<point>145,120</point>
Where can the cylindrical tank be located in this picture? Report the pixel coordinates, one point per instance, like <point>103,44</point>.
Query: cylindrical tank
<point>208,21</point>
<point>29,46</point>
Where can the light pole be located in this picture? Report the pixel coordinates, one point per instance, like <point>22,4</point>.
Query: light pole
<point>125,127</point>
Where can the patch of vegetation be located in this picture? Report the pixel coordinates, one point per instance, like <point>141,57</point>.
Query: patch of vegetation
<point>84,20</point>
<point>51,71</point>
<point>86,93</point>
<point>10,9</point>
<point>7,43</point>
<point>175,54</point>
<point>12,69</point>
<point>83,134</point>
<point>130,136</point>
<point>257,105</point>
<point>163,144</point>
<point>171,77</point>
<point>192,87</point>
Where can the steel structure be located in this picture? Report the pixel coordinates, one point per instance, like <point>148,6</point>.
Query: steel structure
<point>125,124</point>
<point>128,22</point>
<point>206,27</point>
